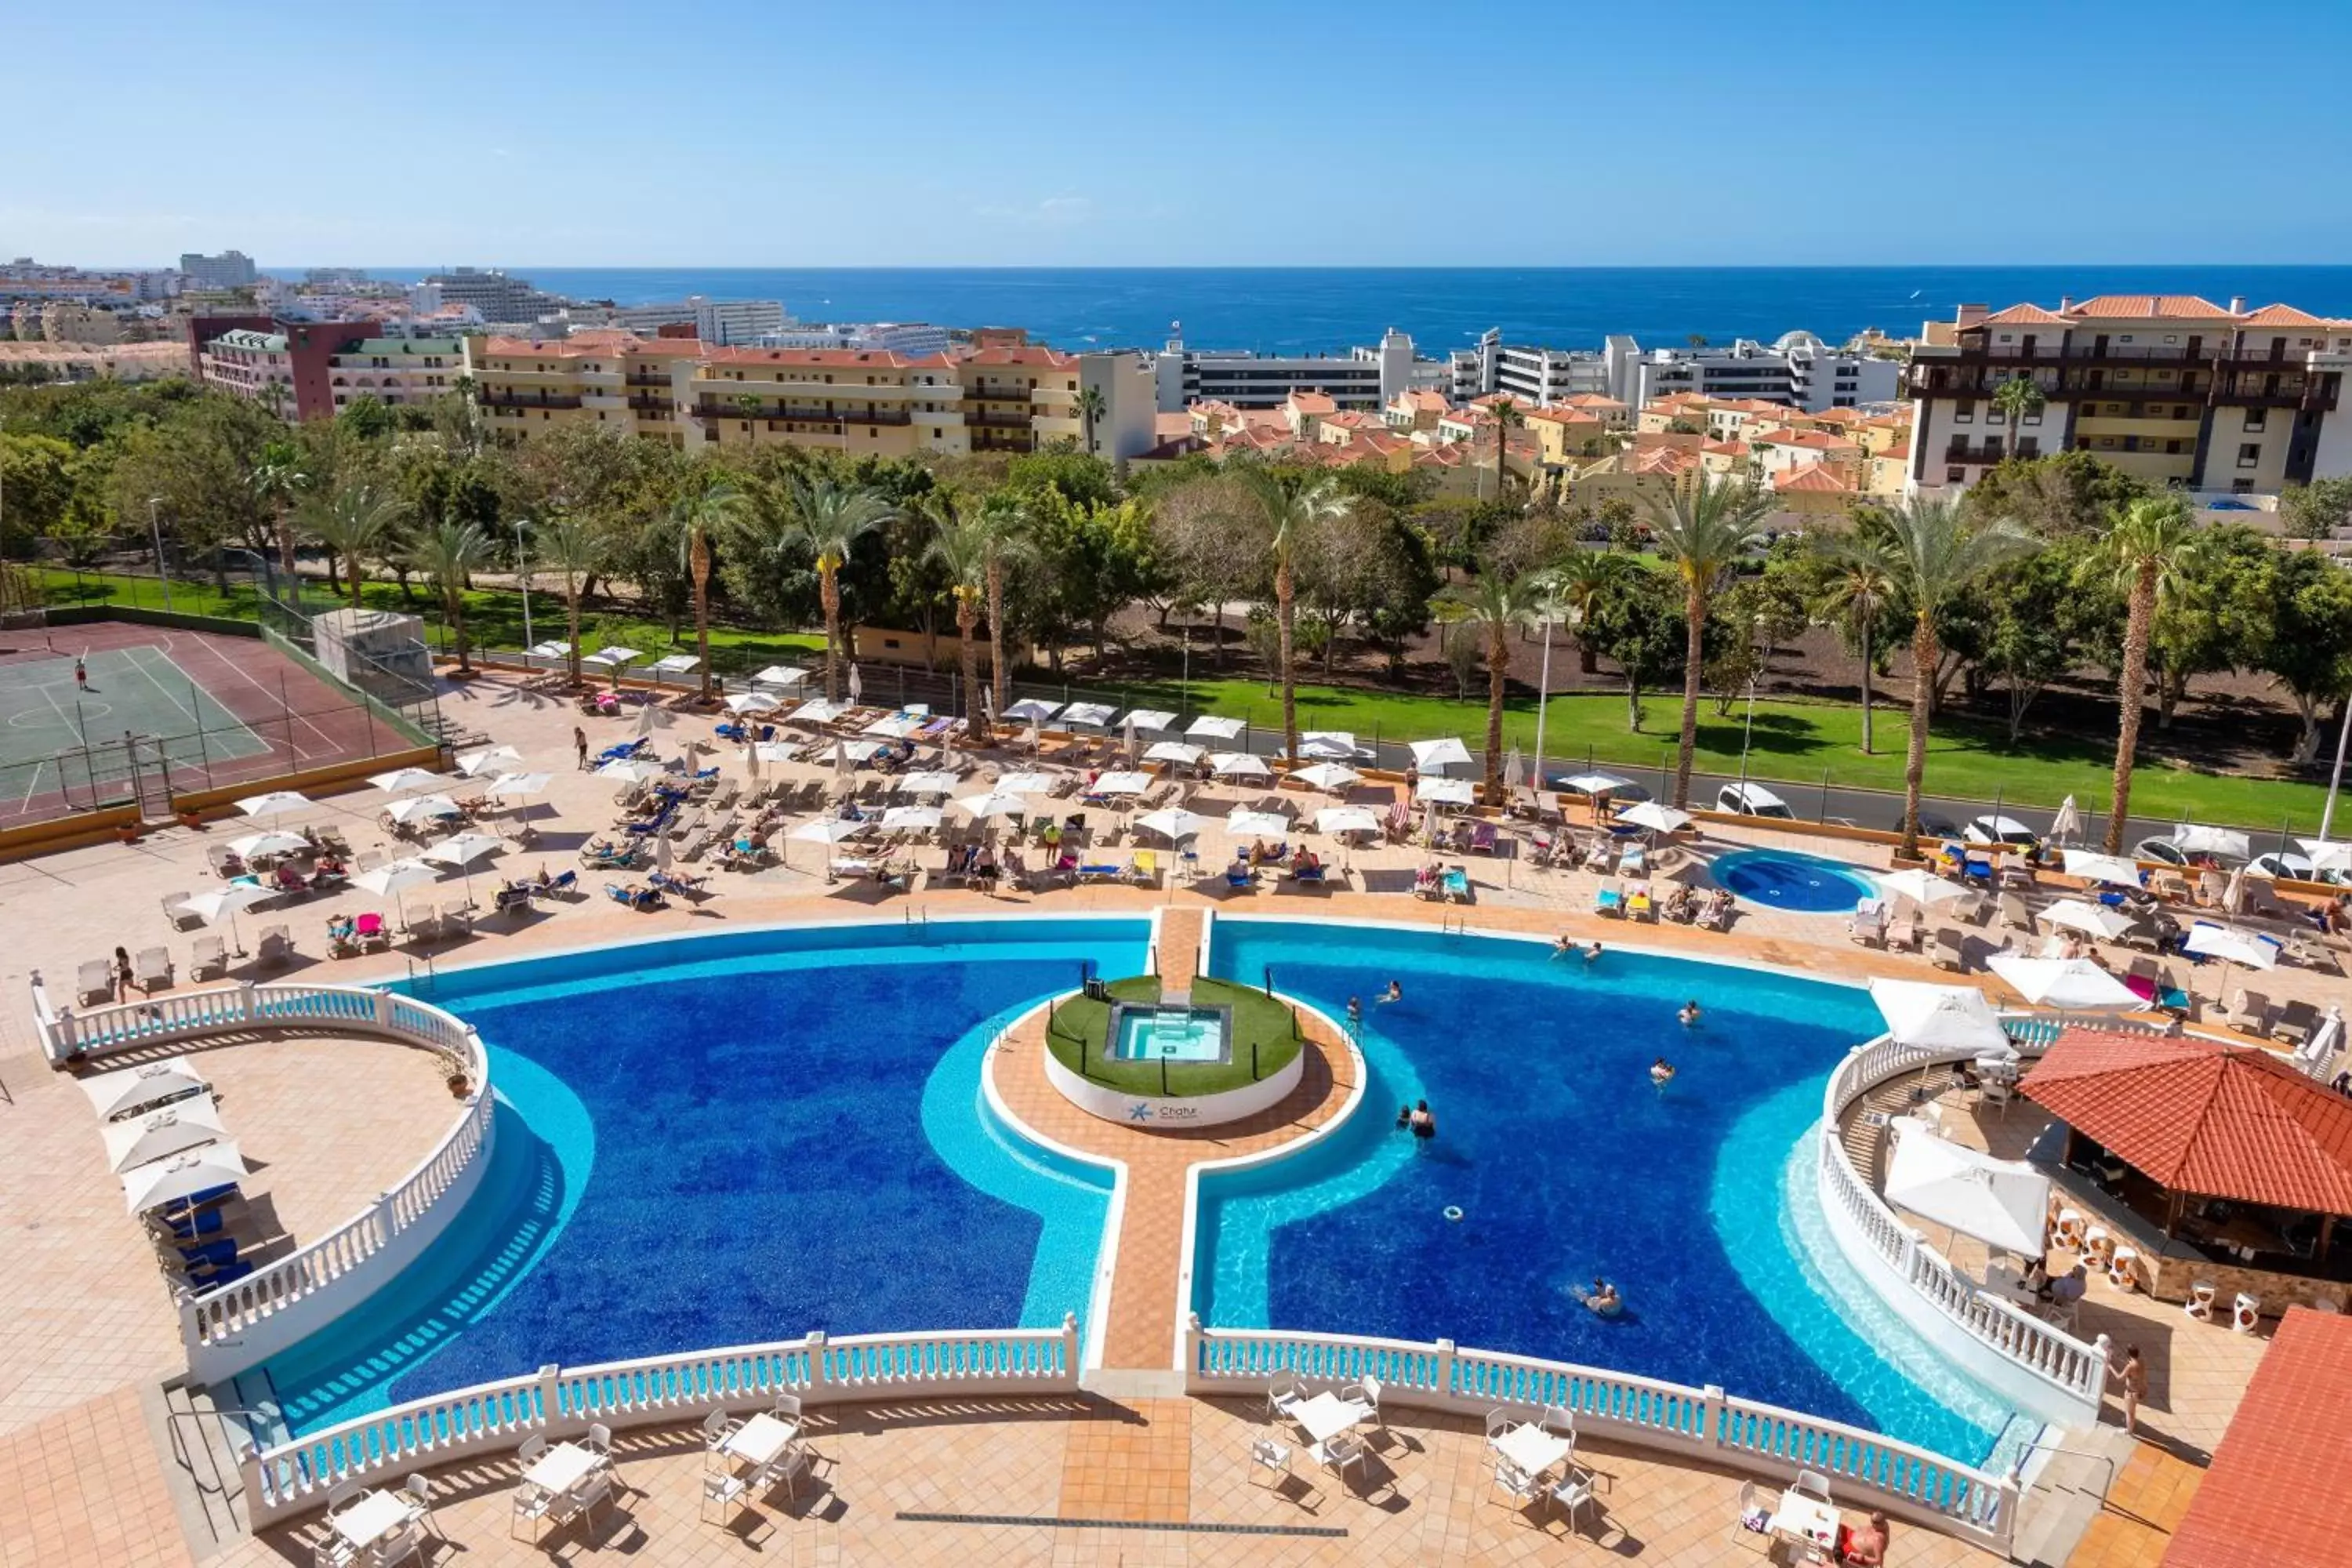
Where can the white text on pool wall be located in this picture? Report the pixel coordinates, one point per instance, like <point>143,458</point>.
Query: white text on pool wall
<point>1194,1111</point>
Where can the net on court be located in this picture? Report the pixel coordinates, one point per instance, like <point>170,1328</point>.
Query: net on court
<point>44,712</point>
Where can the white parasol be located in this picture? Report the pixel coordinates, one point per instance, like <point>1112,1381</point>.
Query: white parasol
<point>2069,983</point>
<point>1244,823</point>
<point>276,803</point>
<point>1209,727</point>
<point>2209,940</point>
<point>489,760</point>
<point>1441,791</point>
<point>1179,753</point>
<point>182,1175</point>
<point>1444,751</point>
<point>2093,867</point>
<point>1657,817</point>
<point>1239,765</point>
<point>1329,777</point>
<point>1171,823</point>
<point>2094,919</point>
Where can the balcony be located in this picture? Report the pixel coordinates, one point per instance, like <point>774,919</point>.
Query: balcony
<point>516,400</point>
<point>645,404</point>
<point>647,378</point>
<point>990,419</point>
<point>999,394</point>
<point>785,414</point>
<point>1960,452</point>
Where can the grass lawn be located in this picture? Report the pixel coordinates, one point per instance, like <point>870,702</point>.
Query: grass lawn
<point>1257,1018</point>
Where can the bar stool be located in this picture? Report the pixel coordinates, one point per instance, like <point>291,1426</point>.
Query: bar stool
<point>2123,1268</point>
<point>2245,1313</point>
<point>2099,1246</point>
<point>2200,1304</point>
<point>2070,1229</point>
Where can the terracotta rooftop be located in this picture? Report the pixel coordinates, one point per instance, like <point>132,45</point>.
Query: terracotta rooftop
<point>1031,354</point>
<point>2198,1116</point>
<point>1815,479</point>
<point>879,359</point>
<point>1317,403</point>
<point>2274,1494</point>
<point>2150,307</point>
<point>1592,400</point>
<point>2284,315</point>
<point>2026,316</point>
<point>1419,400</point>
<point>1563,416</point>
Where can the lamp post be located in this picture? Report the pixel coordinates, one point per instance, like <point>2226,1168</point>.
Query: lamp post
<point>156,532</point>
<point>1543,678</point>
<point>2335,778</point>
<point>522,576</point>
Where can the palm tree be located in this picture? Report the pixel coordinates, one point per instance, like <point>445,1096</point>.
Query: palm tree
<point>278,481</point>
<point>1006,525</point>
<point>566,545</point>
<point>1091,407</point>
<point>1507,416</point>
<point>1935,554</point>
<point>1704,532</point>
<point>2016,398</point>
<point>715,504</point>
<point>1582,582</point>
<point>1290,502</point>
<point>2150,549</point>
<point>1862,581</point>
<point>353,521</point>
<point>450,554</point>
<point>1498,604</point>
<point>827,519</point>
<point>960,543</point>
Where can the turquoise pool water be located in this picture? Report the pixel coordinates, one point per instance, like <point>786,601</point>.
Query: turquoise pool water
<point>723,1140</point>
<point>1170,1034</point>
<point>1804,884</point>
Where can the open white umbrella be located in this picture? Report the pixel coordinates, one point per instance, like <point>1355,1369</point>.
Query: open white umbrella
<point>159,1134</point>
<point>750,702</point>
<point>420,808</point>
<point>394,876</point>
<point>1329,777</point>
<point>1091,713</point>
<point>464,849</point>
<point>1239,765</point>
<point>1923,887</point>
<point>827,830</point>
<point>1656,816</point>
<point>930,782</point>
<point>1338,819</point>
<point>771,751</point>
<point>2329,855</point>
<point>2094,919</point>
<point>817,710</point>
<point>489,760</point>
<point>636,770</point>
<point>1122,783</point>
<point>856,752</point>
<point>2068,984</point>
<point>1024,783</point>
<point>675,664</point>
<point>1593,783</point>
<point>989,807</point>
<point>404,779</point>
<point>2209,940</point>
<point>613,658</point>
<point>1179,753</point>
<point>2002,1203</point>
<point>1919,1012</point>
<point>554,647</point>
<point>518,786</point>
<point>1244,823</point>
<point>910,819</point>
<point>182,1175</point>
<point>779,675</point>
<point>276,803</point>
<point>129,1090</point>
<point>1327,745</point>
<point>1171,823</point>
<point>2094,867</point>
<point>1442,753</point>
<point>893,726</point>
<point>1209,727</point>
<point>1032,711</point>
<point>1443,791</point>
<point>221,904</point>
<point>2196,838</point>
<point>1147,719</point>
<point>271,843</point>
<point>2068,822</point>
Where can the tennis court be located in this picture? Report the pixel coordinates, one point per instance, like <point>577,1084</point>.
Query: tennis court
<point>162,711</point>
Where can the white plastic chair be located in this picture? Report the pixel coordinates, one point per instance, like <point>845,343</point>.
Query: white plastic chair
<point>730,1492</point>
<point>534,1505</point>
<point>1365,1390</point>
<point>1266,1454</point>
<point>717,1427</point>
<point>1340,1453</point>
<point>787,1409</point>
<point>1514,1483</point>
<point>342,1495</point>
<point>785,1468</point>
<point>332,1550</point>
<point>1814,1484</point>
<point>1559,1420</point>
<point>532,1447</point>
<point>581,1500</point>
<point>1574,1492</point>
<point>1284,1393</point>
<point>1499,1421</point>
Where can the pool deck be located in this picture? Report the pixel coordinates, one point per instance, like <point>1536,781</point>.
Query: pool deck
<point>86,1332</point>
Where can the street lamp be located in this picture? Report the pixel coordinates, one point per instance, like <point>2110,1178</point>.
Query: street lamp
<point>156,532</point>
<point>522,576</point>
<point>1543,679</point>
<point>2336,779</point>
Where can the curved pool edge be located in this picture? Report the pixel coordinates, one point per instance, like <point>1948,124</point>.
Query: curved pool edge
<point>1852,876</point>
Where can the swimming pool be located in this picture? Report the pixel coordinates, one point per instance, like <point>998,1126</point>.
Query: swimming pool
<point>1803,884</point>
<point>1564,1164</point>
<point>726,1140</point>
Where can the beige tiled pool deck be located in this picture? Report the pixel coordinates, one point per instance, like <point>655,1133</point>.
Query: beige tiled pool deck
<point>86,1326</point>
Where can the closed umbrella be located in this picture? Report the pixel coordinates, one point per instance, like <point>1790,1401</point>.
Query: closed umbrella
<point>1515,768</point>
<point>159,1134</point>
<point>2233,891</point>
<point>1441,753</point>
<point>2209,940</point>
<point>1329,777</point>
<point>490,760</point>
<point>1172,823</point>
<point>1239,765</point>
<point>276,803</point>
<point>2096,920</point>
<point>2068,823</point>
<point>1126,742</point>
<point>221,904</point>
<point>2094,867</point>
<point>182,1175</point>
<point>649,716</point>
<point>129,1090</point>
<point>856,686</point>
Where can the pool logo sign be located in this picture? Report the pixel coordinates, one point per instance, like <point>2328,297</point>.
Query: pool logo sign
<point>1140,1112</point>
<point>1161,1111</point>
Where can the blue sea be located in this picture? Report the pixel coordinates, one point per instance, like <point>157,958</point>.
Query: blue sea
<point>1334,309</point>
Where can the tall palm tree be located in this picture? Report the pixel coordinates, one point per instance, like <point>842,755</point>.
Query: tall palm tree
<point>2150,548</point>
<point>960,544</point>
<point>278,480</point>
<point>1704,533</point>
<point>827,519</point>
<point>1498,604</point>
<point>353,520</point>
<point>1289,504</point>
<point>2016,398</point>
<point>566,545</point>
<point>1008,528</point>
<point>1091,408</point>
<point>1582,582</point>
<point>1506,417</point>
<point>449,553</point>
<point>1935,554</point>
<point>1862,584</point>
<point>712,505</point>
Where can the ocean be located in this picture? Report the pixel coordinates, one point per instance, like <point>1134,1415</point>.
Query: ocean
<point>1332,310</point>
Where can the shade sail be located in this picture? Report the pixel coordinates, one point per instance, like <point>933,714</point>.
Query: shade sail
<point>2002,1203</point>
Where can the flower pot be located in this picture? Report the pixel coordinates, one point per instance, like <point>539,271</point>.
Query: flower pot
<point>456,1086</point>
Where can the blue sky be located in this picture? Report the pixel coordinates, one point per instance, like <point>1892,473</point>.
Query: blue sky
<point>1033,132</point>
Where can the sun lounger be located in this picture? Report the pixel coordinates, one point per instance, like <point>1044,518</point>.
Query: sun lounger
<point>94,981</point>
<point>566,883</point>
<point>2014,914</point>
<point>1457,885</point>
<point>513,898</point>
<point>1483,838</point>
<point>1311,875</point>
<point>670,882</point>
<point>1424,884</point>
<point>1716,913</point>
<point>1868,924</point>
<point>424,926</point>
<point>150,970</point>
<point>1947,950</point>
<point>276,947</point>
<point>2251,1012</point>
<point>456,919</point>
<point>640,899</point>
<point>2295,1023</point>
<point>1638,905</point>
<point>176,910</point>
<point>1610,900</point>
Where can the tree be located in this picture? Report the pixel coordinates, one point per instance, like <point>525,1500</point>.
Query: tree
<point>2017,399</point>
<point>1506,418</point>
<point>570,548</point>
<point>449,555</point>
<point>1937,556</point>
<point>961,543</point>
<point>2148,550</point>
<point>2218,618</point>
<point>1704,532</point>
<point>2309,648</point>
<point>714,506</point>
<point>353,520</point>
<point>36,481</point>
<point>1862,572</point>
<point>1369,571</point>
<point>1090,409</point>
<point>1581,581</point>
<point>2051,497</point>
<point>2315,510</point>
<point>1094,559</point>
<point>2038,622</point>
<point>1006,525</point>
<point>827,517</point>
<point>1637,625</point>
<point>1496,605</point>
<point>1288,503</point>
<point>278,480</point>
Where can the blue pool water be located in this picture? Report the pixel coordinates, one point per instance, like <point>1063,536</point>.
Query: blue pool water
<point>1171,1034</point>
<point>1566,1164</point>
<point>1804,884</point>
<point>723,1140</point>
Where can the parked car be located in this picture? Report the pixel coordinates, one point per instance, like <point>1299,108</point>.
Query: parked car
<point>2006,830</point>
<point>1752,800</point>
<point>1930,826</point>
<point>2163,849</point>
<point>2283,863</point>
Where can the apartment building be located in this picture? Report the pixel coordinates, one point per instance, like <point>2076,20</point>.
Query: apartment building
<point>1534,377</point>
<point>395,370</point>
<point>282,364</point>
<point>728,322</point>
<point>1364,378</point>
<point>1797,370</point>
<point>2171,388</point>
<point>230,270</point>
<point>499,298</point>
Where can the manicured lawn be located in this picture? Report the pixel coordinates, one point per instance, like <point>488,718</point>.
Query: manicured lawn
<point>1257,1019</point>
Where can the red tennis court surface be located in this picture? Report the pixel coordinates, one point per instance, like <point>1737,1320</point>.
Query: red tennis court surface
<point>165,712</point>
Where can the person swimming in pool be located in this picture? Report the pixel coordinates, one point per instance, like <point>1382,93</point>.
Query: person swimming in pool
<point>1604,1299</point>
<point>1425,1120</point>
<point>1662,1072</point>
<point>1396,993</point>
<point>1592,952</point>
<point>1689,1013</point>
<point>1404,1117</point>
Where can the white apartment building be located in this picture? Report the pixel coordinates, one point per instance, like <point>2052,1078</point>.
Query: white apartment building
<point>915,339</point>
<point>253,364</point>
<point>396,370</point>
<point>1364,378</point>
<point>230,270</point>
<point>1534,377</point>
<point>1797,369</point>
<point>730,322</point>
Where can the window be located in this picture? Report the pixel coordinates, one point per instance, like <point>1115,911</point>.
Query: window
<point>1956,475</point>
<point>2249,454</point>
<point>2172,447</point>
<point>2256,417</point>
<point>1964,412</point>
<point>2241,487</point>
<point>2033,418</point>
<point>2028,447</point>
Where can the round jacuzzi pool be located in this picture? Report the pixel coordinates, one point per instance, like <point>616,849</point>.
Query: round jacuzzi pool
<point>1780,879</point>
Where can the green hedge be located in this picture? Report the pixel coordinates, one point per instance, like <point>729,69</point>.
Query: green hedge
<point>1257,1018</point>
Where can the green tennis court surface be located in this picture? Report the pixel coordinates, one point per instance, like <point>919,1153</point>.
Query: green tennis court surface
<point>139,690</point>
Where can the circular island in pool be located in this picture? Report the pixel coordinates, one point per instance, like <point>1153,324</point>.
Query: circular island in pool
<point>1128,1052</point>
<point>1783,880</point>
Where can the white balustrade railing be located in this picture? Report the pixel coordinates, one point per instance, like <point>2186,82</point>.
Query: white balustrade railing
<point>2044,1351</point>
<point>675,1390</point>
<point>333,1271</point>
<point>1703,1424</point>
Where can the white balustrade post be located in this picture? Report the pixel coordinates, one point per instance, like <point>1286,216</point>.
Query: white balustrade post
<point>387,1223</point>
<point>816,1342</point>
<point>2104,1348</point>
<point>1191,1353</point>
<point>383,1010</point>
<point>1444,1389</point>
<point>1070,1346</point>
<point>2013,1498</point>
<point>245,1011</point>
<point>549,1395</point>
<point>1911,1243</point>
<point>1712,1435</point>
